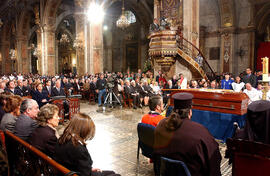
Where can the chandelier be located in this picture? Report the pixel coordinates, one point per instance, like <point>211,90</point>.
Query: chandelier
<point>78,44</point>
<point>122,22</point>
<point>64,39</point>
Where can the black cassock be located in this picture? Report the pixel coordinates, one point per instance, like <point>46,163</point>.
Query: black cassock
<point>191,143</point>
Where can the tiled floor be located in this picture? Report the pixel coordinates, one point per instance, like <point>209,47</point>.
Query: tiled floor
<point>115,144</point>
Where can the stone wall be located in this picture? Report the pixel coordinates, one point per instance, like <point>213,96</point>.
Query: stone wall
<point>210,18</point>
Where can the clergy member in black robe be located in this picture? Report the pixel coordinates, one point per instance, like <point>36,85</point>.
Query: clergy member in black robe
<point>257,126</point>
<point>179,138</point>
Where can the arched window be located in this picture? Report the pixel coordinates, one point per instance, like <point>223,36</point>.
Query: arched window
<point>130,17</point>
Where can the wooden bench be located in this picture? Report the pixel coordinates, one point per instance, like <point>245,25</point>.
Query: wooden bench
<point>74,106</point>
<point>24,159</point>
<point>60,104</point>
<point>249,158</point>
<point>3,155</point>
<point>92,96</point>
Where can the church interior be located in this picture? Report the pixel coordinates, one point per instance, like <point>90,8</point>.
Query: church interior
<point>202,47</point>
<point>56,36</point>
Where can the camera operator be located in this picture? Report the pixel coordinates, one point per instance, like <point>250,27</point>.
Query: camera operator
<point>118,89</point>
<point>101,88</point>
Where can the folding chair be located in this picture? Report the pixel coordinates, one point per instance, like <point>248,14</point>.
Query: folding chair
<point>146,139</point>
<point>170,167</point>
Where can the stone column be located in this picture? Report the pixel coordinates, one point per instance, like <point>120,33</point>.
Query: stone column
<point>86,46</point>
<point>96,49</point>
<point>251,47</point>
<point>40,56</point>
<point>191,28</point>
<point>202,39</point>
<point>157,9</point>
<point>22,55</point>
<point>108,51</point>
<point>6,68</point>
<point>227,50</point>
<point>49,51</point>
<point>80,35</point>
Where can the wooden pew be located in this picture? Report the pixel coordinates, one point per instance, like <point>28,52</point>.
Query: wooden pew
<point>24,159</point>
<point>128,102</point>
<point>249,158</point>
<point>3,155</point>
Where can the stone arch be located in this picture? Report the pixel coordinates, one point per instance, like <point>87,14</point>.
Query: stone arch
<point>262,17</point>
<point>32,31</point>
<point>23,29</point>
<point>5,34</point>
<point>127,42</point>
<point>62,16</point>
<point>50,10</point>
<point>227,13</point>
<point>145,16</point>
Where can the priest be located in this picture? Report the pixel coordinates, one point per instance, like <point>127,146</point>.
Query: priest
<point>179,138</point>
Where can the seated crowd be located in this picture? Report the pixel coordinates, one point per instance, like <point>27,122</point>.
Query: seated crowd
<point>34,119</point>
<point>137,86</point>
<point>38,127</point>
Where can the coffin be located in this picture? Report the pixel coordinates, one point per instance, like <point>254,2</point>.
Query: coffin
<point>216,100</point>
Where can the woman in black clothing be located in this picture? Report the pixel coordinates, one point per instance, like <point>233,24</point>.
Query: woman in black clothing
<point>71,150</point>
<point>44,137</point>
<point>40,96</point>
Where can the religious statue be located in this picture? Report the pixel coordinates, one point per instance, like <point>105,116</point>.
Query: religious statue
<point>12,54</point>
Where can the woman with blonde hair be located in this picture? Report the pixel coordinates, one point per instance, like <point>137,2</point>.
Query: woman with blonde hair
<point>44,137</point>
<point>12,109</point>
<point>71,150</point>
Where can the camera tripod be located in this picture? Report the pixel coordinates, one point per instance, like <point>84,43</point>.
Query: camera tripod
<point>109,99</point>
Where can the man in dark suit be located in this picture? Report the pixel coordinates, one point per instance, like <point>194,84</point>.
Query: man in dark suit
<point>57,90</point>
<point>10,87</point>
<point>26,88</point>
<point>26,122</point>
<point>19,88</point>
<point>48,88</point>
<point>250,78</point>
<point>154,26</point>
<point>130,91</point>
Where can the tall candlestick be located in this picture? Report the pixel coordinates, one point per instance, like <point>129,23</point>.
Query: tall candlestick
<point>265,79</point>
<point>265,63</point>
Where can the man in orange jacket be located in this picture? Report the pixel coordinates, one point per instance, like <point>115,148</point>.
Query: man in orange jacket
<point>156,108</point>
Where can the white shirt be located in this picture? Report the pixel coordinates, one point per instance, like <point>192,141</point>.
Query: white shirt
<point>11,77</point>
<point>183,84</point>
<point>237,87</point>
<point>20,77</point>
<point>268,95</point>
<point>253,95</point>
<point>156,89</point>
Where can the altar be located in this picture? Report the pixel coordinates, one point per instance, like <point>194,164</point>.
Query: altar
<point>216,109</point>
